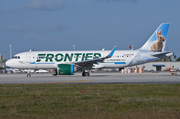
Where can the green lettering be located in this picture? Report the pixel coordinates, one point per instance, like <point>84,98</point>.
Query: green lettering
<point>88,55</point>
<point>83,57</point>
<point>40,56</point>
<point>69,57</point>
<point>49,57</point>
<point>77,56</point>
<point>96,55</point>
<point>59,57</point>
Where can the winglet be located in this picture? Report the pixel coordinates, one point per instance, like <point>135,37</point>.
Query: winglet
<point>112,52</point>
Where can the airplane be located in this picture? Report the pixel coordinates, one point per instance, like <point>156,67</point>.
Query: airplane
<point>68,62</point>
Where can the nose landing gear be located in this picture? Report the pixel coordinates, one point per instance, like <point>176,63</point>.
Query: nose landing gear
<point>28,75</point>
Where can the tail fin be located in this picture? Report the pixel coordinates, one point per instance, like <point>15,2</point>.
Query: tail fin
<point>157,42</point>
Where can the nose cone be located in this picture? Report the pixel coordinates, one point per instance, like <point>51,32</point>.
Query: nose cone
<point>8,63</point>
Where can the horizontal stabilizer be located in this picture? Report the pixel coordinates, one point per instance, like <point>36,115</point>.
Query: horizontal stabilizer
<point>163,54</point>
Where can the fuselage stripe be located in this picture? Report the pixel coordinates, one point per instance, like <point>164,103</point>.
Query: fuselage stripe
<point>43,63</point>
<point>117,62</point>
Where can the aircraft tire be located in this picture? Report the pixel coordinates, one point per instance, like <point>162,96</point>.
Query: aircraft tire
<point>85,74</point>
<point>28,75</point>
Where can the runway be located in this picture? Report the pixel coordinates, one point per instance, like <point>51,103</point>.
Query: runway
<point>115,77</point>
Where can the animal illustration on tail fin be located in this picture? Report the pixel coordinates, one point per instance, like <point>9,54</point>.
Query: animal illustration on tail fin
<point>157,45</point>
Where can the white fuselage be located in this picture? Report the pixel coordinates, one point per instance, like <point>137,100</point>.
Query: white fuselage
<point>50,59</point>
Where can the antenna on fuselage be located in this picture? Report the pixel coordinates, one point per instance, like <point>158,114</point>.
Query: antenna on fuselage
<point>73,47</point>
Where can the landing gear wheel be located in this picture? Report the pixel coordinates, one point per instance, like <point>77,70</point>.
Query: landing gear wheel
<point>28,75</point>
<point>85,74</point>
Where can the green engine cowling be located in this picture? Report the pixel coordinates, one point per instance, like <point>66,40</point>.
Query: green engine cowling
<point>65,69</point>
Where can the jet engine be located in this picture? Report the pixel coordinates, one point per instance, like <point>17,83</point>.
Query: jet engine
<point>66,69</point>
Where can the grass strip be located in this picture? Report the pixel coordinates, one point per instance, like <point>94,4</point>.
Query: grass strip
<point>67,101</point>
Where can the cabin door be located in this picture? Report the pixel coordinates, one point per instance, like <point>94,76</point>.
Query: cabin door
<point>28,57</point>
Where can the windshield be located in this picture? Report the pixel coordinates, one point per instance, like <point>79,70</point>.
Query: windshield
<point>16,57</point>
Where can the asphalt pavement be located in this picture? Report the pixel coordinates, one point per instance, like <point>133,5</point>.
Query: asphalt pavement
<point>107,77</point>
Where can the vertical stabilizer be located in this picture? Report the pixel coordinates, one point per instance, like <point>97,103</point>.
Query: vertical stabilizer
<point>157,42</point>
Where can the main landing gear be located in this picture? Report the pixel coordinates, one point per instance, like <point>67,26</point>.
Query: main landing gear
<point>84,73</point>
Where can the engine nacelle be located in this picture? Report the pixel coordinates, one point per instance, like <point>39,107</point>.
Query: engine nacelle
<point>65,69</point>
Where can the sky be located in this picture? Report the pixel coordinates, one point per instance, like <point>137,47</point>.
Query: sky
<point>57,25</point>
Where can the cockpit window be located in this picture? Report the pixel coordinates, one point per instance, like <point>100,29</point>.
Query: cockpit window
<point>16,57</point>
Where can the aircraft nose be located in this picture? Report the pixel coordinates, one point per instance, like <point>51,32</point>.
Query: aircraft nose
<point>8,63</point>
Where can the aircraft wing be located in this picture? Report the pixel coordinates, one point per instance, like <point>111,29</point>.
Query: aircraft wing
<point>89,63</point>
